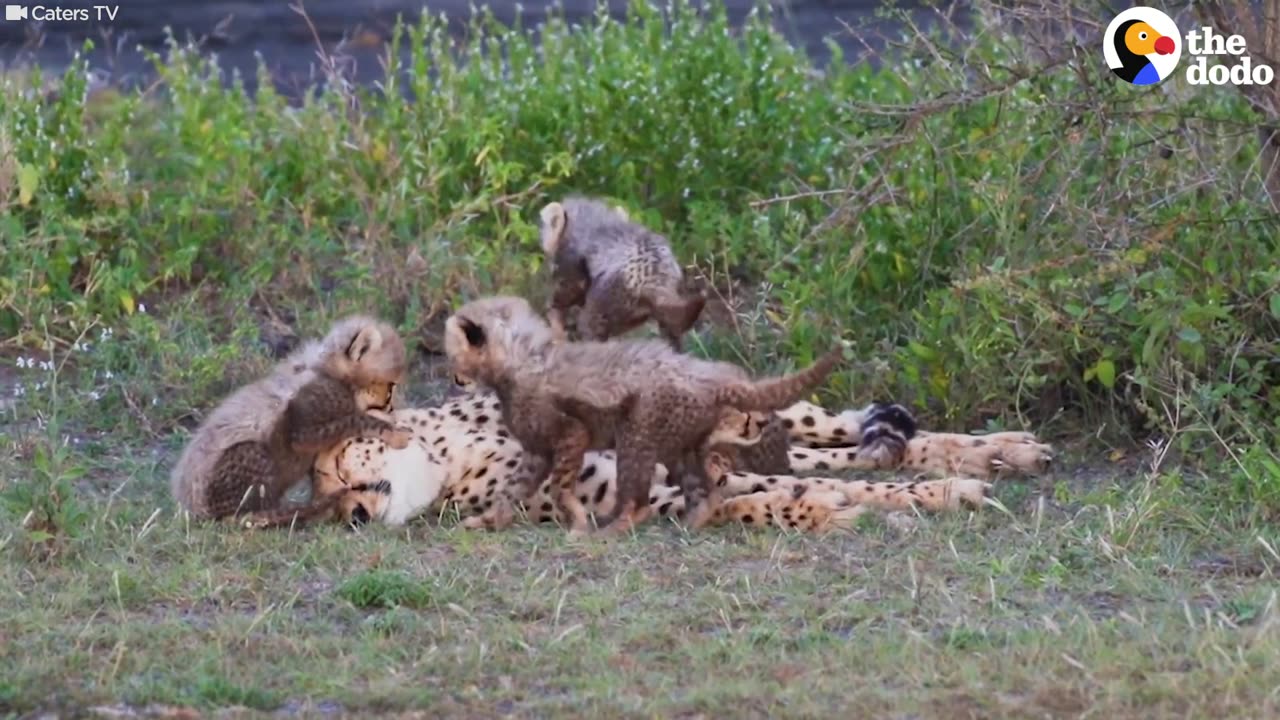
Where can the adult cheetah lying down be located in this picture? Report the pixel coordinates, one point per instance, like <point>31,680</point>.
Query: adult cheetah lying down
<point>462,457</point>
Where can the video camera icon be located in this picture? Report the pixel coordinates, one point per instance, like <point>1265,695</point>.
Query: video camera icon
<point>13,13</point>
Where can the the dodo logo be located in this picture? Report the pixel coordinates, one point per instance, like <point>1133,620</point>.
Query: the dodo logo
<point>1142,46</point>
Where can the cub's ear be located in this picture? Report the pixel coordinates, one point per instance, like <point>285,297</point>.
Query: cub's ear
<point>366,341</point>
<point>554,220</point>
<point>475,333</point>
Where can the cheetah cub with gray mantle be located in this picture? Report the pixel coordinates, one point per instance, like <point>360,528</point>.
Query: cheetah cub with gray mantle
<point>561,399</point>
<point>620,273</point>
<point>264,438</point>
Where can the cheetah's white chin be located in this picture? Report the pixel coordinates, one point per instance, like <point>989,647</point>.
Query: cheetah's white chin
<point>416,482</point>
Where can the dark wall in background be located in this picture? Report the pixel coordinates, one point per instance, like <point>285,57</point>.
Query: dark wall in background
<point>236,30</point>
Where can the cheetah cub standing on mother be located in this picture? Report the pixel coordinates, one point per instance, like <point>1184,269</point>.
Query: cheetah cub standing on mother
<point>620,273</point>
<point>265,437</point>
<point>561,399</point>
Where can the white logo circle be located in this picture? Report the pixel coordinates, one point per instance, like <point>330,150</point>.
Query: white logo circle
<point>1150,61</point>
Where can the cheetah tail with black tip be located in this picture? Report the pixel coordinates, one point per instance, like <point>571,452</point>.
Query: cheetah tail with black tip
<point>778,392</point>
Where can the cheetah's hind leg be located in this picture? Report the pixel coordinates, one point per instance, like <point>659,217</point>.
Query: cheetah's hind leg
<point>243,480</point>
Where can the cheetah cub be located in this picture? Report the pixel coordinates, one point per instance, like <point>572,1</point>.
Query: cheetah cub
<point>561,399</point>
<point>618,272</point>
<point>666,408</point>
<point>265,436</point>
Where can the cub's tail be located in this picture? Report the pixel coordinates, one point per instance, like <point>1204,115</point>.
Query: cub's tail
<point>778,392</point>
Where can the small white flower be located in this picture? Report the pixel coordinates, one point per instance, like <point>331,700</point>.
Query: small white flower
<point>142,308</point>
<point>108,375</point>
<point>46,365</point>
<point>25,362</point>
<point>94,396</point>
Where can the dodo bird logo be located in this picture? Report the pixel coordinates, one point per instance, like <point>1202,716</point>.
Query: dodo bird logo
<point>1142,46</point>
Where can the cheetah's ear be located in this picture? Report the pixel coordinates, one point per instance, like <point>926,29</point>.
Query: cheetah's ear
<point>475,333</point>
<point>366,341</point>
<point>554,220</point>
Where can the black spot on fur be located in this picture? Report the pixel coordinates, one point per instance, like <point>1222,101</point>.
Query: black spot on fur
<point>512,463</point>
<point>600,493</point>
<point>664,508</point>
<point>807,421</point>
<point>482,419</point>
<point>587,472</point>
<point>979,442</point>
<point>758,487</point>
<point>547,507</point>
<point>838,432</point>
<point>788,423</point>
<point>481,472</point>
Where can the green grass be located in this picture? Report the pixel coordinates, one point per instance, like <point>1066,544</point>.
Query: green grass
<point>1124,607</point>
<point>1007,242</point>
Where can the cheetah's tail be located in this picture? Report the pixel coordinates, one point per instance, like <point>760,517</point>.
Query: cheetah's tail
<point>778,392</point>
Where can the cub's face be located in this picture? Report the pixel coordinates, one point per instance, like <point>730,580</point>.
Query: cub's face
<point>376,396</point>
<point>570,284</point>
<point>736,427</point>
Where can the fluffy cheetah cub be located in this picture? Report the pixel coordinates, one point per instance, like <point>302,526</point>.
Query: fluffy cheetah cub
<point>561,399</point>
<point>619,272</point>
<point>265,436</point>
<point>665,408</point>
